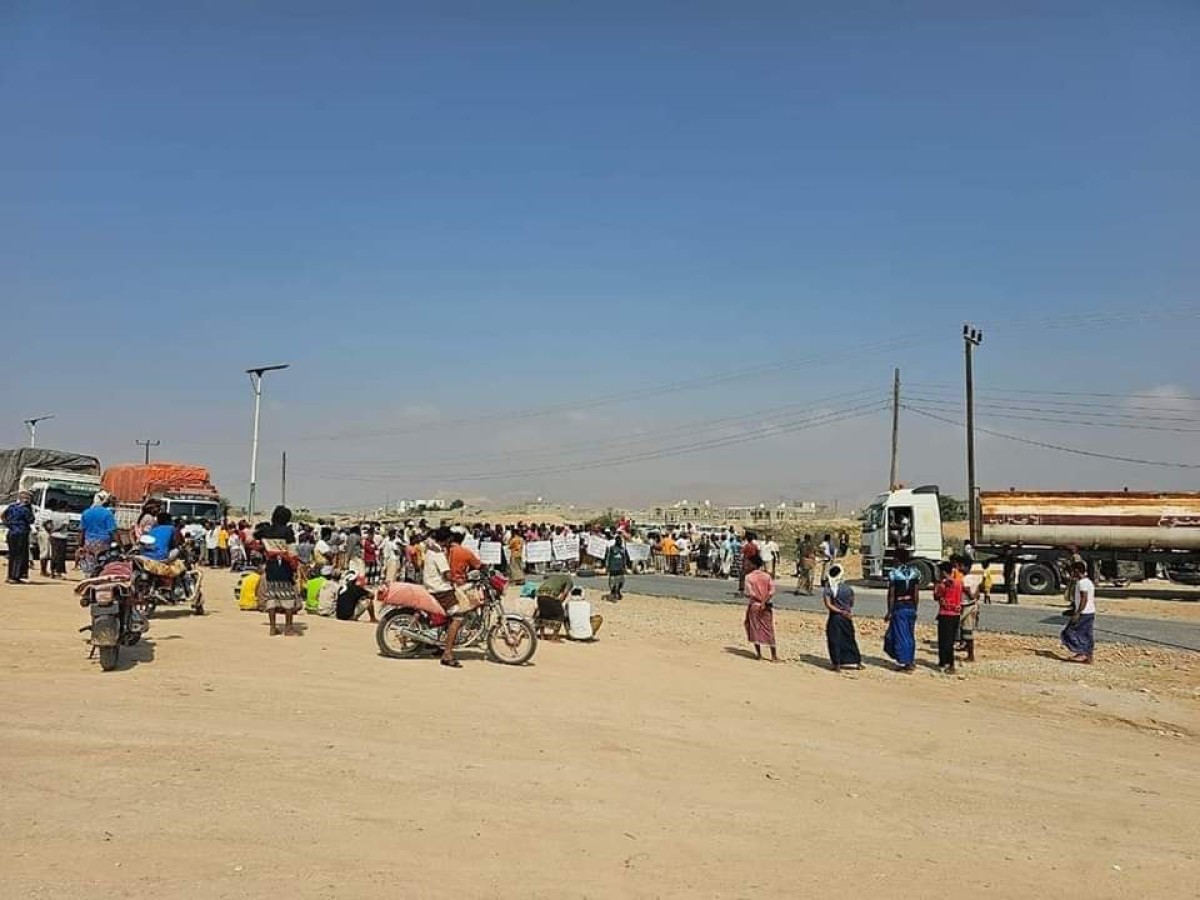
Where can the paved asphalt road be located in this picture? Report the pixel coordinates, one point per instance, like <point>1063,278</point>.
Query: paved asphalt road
<point>871,601</point>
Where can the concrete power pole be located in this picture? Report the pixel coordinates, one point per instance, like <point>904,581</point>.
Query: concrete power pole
<point>283,481</point>
<point>972,338</point>
<point>894,482</point>
<point>147,444</point>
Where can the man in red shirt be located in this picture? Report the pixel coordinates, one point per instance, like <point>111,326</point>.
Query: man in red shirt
<point>948,594</point>
<point>462,560</point>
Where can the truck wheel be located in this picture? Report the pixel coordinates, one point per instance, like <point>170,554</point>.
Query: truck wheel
<point>927,572</point>
<point>1037,578</point>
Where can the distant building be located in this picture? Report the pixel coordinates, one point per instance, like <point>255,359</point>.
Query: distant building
<point>762,514</point>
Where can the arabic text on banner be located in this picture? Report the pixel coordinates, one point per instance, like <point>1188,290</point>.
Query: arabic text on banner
<point>489,553</point>
<point>596,546</point>
<point>537,552</point>
<point>638,552</point>
<point>566,549</point>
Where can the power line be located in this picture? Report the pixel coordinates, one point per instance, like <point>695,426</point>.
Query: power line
<point>1010,411</point>
<point>652,455</point>
<point>639,393</point>
<point>625,442</point>
<point>1141,395</point>
<point>1035,443</point>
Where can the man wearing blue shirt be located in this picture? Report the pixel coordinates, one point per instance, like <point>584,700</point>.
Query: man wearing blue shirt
<point>166,538</point>
<point>99,527</point>
<point>98,524</point>
<point>18,519</point>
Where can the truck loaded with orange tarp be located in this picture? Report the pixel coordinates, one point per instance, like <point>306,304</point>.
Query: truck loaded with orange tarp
<point>185,491</point>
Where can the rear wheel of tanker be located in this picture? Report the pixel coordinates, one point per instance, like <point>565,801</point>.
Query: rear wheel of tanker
<point>108,658</point>
<point>1037,579</point>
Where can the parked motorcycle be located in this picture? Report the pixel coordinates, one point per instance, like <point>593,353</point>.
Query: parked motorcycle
<point>173,582</point>
<point>116,620</point>
<point>403,632</point>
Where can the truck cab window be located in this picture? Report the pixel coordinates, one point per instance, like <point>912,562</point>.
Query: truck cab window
<point>900,526</point>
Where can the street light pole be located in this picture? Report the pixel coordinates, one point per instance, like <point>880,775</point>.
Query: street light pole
<point>32,425</point>
<point>972,338</point>
<point>256,376</point>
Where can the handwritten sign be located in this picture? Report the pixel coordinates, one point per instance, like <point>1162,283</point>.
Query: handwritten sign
<point>489,553</point>
<point>566,549</point>
<point>638,552</point>
<point>596,546</point>
<point>538,551</point>
<point>471,544</point>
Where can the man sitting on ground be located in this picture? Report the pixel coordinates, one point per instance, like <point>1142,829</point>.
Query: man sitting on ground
<point>551,595</point>
<point>354,599</point>
<point>312,589</point>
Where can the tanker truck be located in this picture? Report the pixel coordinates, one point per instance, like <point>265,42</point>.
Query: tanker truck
<point>1120,534</point>
<point>185,491</point>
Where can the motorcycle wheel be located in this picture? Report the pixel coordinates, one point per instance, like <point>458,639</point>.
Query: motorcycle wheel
<point>390,637</point>
<point>512,641</point>
<point>108,658</point>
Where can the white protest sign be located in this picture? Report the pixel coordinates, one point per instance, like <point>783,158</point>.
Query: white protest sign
<point>489,553</point>
<point>471,544</point>
<point>638,552</point>
<point>596,546</point>
<point>537,551</point>
<point>566,549</point>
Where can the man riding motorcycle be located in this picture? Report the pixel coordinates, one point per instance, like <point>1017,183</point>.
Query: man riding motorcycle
<point>166,538</point>
<point>161,557</point>
<point>445,574</point>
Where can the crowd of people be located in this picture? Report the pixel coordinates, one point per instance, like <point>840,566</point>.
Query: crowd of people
<point>330,571</point>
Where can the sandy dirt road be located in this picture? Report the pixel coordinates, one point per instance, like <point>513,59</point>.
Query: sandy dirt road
<point>656,762</point>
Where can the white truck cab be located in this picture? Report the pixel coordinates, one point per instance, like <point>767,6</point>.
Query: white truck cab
<point>907,517</point>
<point>58,495</point>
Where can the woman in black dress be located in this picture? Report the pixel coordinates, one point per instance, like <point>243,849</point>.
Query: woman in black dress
<point>279,585</point>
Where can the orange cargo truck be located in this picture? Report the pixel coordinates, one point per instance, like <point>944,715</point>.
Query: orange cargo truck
<point>185,491</point>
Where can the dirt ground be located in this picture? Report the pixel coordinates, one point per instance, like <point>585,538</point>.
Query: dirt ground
<point>658,761</point>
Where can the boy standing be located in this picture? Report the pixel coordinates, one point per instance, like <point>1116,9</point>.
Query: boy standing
<point>948,594</point>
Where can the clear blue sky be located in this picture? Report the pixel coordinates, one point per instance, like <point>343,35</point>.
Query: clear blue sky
<point>433,209</point>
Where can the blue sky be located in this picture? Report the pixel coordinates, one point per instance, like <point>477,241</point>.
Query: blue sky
<point>440,210</point>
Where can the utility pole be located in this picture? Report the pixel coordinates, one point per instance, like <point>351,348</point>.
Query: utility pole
<point>256,376</point>
<point>32,424</point>
<point>972,338</point>
<point>147,444</point>
<point>283,481</point>
<point>895,479</point>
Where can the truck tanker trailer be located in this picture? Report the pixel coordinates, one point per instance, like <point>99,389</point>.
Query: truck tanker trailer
<point>1116,532</point>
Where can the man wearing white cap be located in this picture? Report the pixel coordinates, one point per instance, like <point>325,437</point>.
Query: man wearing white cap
<point>839,627</point>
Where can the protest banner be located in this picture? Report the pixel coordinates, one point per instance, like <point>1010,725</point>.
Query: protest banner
<point>489,553</point>
<point>638,552</point>
<point>566,549</point>
<point>538,551</point>
<point>597,546</point>
<point>471,544</point>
